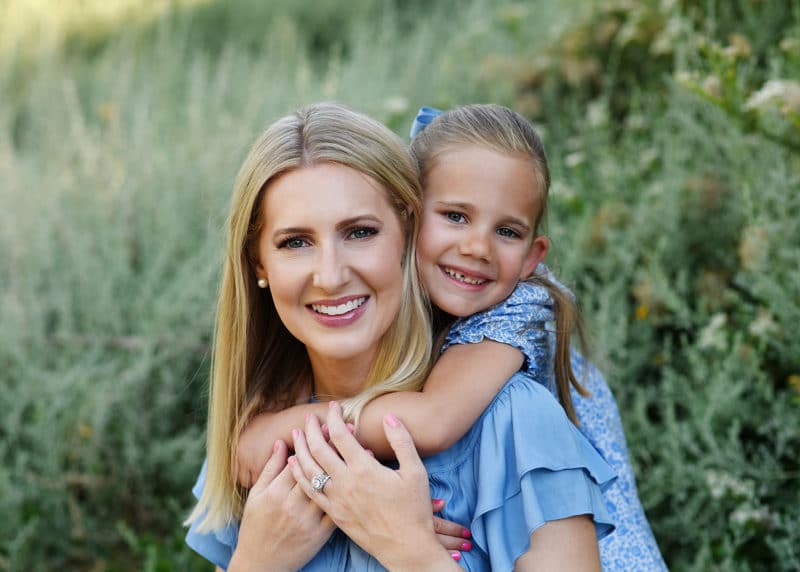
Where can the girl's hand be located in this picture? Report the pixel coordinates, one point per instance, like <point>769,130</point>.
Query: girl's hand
<point>451,535</point>
<point>386,512</point>
<point>281,528</point>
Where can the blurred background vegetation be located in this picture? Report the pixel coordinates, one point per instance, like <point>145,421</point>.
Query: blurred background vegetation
<point>673,127</point>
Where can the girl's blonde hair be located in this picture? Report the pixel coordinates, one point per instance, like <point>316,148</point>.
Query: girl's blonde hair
<point>502,130</point>
<point>258,365</point>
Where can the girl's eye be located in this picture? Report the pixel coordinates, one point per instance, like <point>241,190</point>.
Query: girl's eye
<point>507,232</point>
<point>454,216</point>
<point>293,243</point>
<point>362,232</point>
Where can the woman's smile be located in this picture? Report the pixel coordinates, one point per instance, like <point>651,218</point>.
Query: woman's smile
<point>341,312</point>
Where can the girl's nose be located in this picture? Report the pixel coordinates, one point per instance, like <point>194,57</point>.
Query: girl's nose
<point>476,245</point>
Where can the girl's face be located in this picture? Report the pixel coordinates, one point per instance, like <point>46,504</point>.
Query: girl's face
<point>477,237</point>
<point>331,250</point>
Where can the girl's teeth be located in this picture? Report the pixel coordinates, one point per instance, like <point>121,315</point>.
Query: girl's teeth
<point>464,279</point>
<point>340,309</point>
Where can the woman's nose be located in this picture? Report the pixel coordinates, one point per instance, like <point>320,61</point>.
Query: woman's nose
<point>476,245</point>
<point>330,269</point>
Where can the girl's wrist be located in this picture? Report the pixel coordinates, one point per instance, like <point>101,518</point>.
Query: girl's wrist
<point>429,557</point>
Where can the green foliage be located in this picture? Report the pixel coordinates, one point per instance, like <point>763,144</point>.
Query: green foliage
<point>672,128</point>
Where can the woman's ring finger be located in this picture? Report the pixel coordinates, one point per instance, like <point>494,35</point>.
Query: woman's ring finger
<point>319,481</point>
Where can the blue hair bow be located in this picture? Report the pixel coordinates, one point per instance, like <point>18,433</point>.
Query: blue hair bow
<point>424,117</point>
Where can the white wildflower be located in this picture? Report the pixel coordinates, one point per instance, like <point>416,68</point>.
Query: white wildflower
<point>752,515</point>
<point>396,104</point>
<point>782,94</point>
<point>574,159</point>
<point>713,336</point>
<point>597,113</point>
<point>764,325</point>
<point>721,484</point>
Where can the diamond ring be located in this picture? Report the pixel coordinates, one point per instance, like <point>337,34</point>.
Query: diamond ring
<point>319,481</point>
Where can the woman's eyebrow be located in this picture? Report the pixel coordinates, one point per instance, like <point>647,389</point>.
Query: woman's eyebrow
<point>291,230</point>
<point>366,217</point>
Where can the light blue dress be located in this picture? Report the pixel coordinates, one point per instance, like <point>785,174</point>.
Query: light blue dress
<point>522,464</point>
<point>522,321</point>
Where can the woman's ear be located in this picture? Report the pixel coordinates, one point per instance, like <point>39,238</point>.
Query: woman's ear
<point>536,253</point>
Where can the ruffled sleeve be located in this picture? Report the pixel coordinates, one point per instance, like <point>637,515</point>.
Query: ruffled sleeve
<point>215,546</point>
<point>519,321</point>
<point>524,464</point>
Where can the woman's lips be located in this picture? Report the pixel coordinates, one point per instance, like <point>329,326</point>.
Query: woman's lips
<point>339,312</point>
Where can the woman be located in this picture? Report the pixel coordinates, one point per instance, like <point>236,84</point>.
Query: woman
<point>320,298</point>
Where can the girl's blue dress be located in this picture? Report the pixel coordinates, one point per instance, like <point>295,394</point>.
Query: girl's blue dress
<point>522,321</point>
<point>522,464</point>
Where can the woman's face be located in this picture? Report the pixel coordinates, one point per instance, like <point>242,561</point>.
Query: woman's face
<point>331,248</point>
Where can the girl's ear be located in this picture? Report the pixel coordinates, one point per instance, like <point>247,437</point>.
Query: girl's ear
<point>536,253</point>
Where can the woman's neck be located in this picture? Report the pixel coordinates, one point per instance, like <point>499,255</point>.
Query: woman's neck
<point>339,379</point>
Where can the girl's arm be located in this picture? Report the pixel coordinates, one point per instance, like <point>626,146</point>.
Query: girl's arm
<point>568,544</point>
<point>256,441</point>
<point>461,385</point>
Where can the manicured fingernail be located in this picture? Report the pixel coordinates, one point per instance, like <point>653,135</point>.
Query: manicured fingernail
<point>291,460</point>
<point>456,556</point>
<point>308,417</point>
<point>392,420</point>
<point>295,433</point>
<point>351,427</point>
<point>466,533</point>
<point>276,446</point>
<point>332,404</point>
<point>466,546</point>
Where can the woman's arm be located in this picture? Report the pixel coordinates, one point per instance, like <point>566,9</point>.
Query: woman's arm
<point>461,385</point>
<point>256,441</point>
<point>567,545</point>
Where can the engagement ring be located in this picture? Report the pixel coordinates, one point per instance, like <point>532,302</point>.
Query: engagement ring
<point>319,481</point>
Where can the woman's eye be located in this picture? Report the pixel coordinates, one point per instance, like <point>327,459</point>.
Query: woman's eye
<point>362,232</point>
<point>506,232</point>
<point>292,243</point>
<point>453,216</point>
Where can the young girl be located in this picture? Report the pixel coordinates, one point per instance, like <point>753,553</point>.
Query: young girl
<point>485,179</point>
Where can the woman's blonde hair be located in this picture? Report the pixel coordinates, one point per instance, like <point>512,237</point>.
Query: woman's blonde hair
<point>258,365</point>
<point>502,130</point>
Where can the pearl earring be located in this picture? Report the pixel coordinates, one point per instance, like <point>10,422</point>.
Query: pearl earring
<point>262,282</point>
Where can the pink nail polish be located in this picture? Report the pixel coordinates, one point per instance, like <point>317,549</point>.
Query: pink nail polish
<point>392,420</point>
<point>466,533</point>
<point>466,546</point>
<point>332,404</point>
<point>456,556</point>
<point>276,446</point>
<point>295,434</point>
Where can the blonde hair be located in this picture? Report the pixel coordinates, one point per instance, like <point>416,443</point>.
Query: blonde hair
<point>502,130</point>
<point>258,365</point>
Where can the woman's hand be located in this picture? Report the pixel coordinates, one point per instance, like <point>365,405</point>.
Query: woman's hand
<point>386,512</point>
<point>281,529</point>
